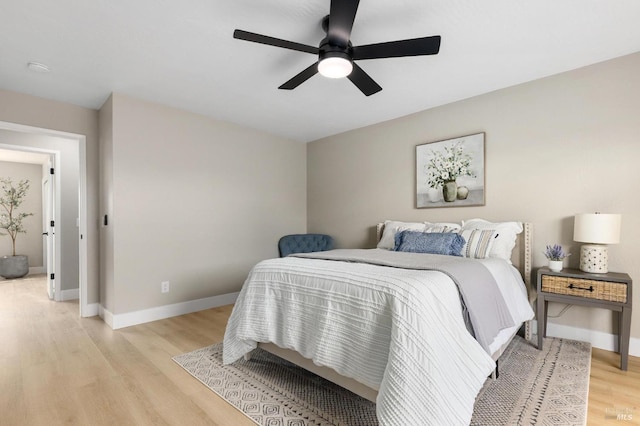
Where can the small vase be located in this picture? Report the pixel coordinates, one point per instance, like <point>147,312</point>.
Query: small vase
<point>463,192</point>
<point>556,265</point>
<point>433,194</point>
<point>450,191</point>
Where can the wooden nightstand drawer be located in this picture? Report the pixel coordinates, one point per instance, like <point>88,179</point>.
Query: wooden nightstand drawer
<point>601,290</point>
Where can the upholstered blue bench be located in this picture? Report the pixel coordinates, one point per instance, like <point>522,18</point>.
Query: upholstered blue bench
<point>304,243</point>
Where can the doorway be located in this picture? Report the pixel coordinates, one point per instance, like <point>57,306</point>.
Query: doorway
<point>76,162</point>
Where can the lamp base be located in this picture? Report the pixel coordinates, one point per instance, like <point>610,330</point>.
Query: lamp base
<point>594,258</point>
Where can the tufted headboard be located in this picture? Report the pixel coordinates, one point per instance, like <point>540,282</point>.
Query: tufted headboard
<point>304,243</point>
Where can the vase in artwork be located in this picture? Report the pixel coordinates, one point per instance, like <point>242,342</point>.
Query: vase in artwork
<point>463,192</point>
<point>433,194</point>
<point>450,191</point>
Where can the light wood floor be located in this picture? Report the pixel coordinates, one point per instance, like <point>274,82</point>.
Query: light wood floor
<point>56,368</point>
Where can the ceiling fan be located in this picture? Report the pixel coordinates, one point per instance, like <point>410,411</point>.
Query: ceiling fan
<point>336,54</point>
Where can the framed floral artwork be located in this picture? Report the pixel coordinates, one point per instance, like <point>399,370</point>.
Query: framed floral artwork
<point>450,173</point>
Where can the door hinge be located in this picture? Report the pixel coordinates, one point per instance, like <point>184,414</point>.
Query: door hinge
<point>51,171</point>
<point>52,276</point>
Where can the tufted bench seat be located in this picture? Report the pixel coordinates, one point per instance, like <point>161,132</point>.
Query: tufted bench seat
<point>304,243</point>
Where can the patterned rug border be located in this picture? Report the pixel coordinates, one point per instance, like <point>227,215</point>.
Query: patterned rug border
<point>312,401</point>
<point>193,374</point>
<point>271,391</point>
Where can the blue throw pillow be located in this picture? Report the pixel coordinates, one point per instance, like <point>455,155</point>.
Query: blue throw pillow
<point>446,243</point>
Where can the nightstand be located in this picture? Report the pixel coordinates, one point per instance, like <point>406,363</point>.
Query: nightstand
<point>574,287</point>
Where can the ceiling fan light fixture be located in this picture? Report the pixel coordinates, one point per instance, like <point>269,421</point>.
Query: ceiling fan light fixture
<point>335,67</point>
<point>336,53</point>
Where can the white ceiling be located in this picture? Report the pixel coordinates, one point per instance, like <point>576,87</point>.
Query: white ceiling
<point>182,53</point>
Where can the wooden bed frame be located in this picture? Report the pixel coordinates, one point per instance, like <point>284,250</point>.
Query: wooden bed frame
<point>521,259</point>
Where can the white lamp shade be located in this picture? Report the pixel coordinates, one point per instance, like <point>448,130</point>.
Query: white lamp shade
<point>597,228</point>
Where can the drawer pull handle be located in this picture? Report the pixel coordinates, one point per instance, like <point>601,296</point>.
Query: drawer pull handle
<point>571,286</point>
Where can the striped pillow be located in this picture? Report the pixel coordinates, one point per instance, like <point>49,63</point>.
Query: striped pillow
<point>477,242</point>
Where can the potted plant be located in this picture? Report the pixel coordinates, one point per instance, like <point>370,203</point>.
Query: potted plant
<point>556,255</point>
<point>11,197</point>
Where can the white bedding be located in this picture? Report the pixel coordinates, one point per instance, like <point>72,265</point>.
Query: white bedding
<point>396,330</point>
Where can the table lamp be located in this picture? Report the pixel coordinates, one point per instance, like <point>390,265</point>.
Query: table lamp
<point>597,229</point>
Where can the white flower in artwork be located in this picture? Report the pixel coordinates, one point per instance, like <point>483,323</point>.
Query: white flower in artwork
<point>448,165</point>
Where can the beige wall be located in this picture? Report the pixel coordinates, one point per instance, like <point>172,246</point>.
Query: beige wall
<point>555,147</point>
<point>51,115</point>
<point>193,201</point>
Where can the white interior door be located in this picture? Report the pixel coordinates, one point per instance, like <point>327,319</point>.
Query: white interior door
<point>48,233</point>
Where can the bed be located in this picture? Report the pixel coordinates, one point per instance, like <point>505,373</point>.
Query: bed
<point>379,323</point>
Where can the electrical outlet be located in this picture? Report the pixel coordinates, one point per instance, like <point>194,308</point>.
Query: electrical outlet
<point>164,286</point>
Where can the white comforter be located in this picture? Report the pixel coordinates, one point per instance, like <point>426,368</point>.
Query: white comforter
<point>396,330</point>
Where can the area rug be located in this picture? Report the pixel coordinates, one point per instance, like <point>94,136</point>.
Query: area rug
<point>533,387</point>
<point>548,387</point>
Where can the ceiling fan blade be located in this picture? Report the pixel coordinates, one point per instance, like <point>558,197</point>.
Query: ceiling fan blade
<point>396,49</point>
<point>272,41</point>
<point>362,80</point>
<point>341,17</point>
<point>300,78</point>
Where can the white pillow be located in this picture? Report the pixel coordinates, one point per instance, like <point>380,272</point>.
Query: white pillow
<point>478,243</point>
<point>392,227</point>
<point>505,240</point>
<point>442,227</point>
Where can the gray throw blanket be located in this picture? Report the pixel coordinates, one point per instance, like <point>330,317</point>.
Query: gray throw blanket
<point>487,309</point>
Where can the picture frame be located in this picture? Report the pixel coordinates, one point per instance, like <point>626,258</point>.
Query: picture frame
<point>451,172</point>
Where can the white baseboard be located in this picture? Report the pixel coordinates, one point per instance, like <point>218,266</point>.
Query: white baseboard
<point>116,321</point>
<point>91,310</point>
<point>72,294</point>
<point>106,316</point>
<point>36,270</point>
<point>598,339</point>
